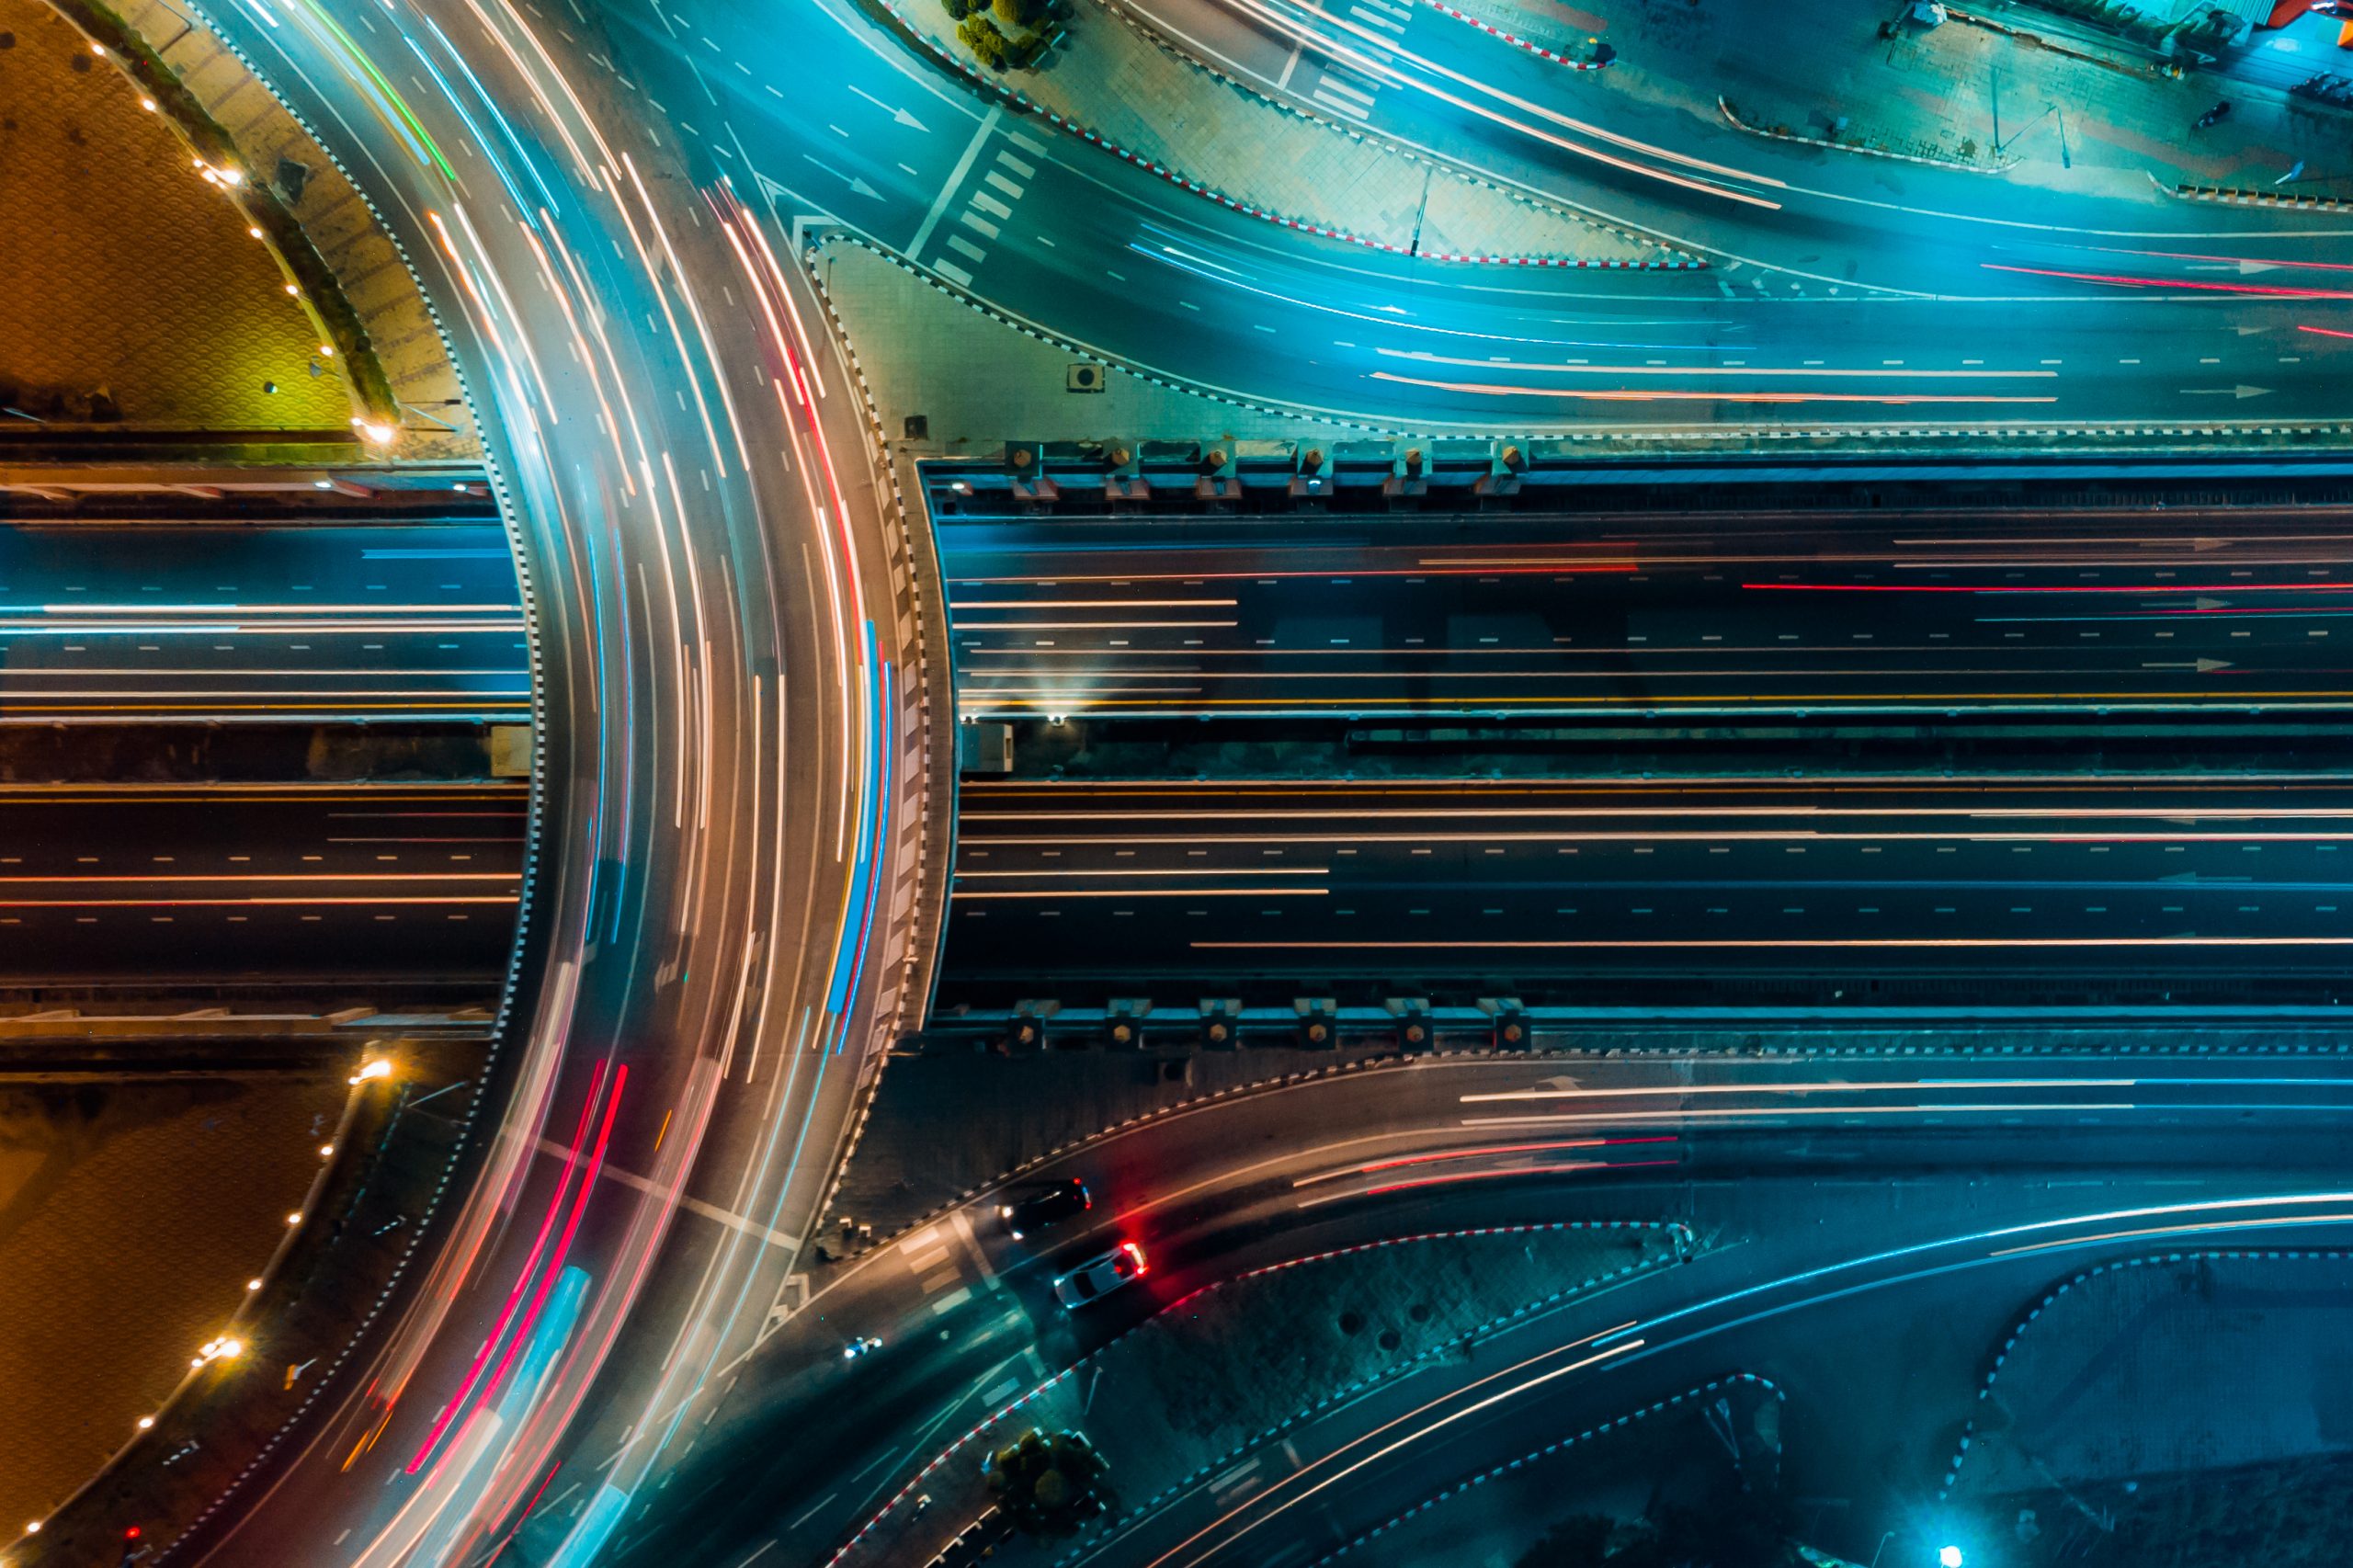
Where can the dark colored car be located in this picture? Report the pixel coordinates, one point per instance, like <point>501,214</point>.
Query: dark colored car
<point>1046,1206</point>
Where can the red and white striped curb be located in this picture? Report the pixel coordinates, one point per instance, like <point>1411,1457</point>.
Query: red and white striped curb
<point>1024,101</point>
<point>2233,197</point>
<point>1512,38</point>
<point>1235,204</point>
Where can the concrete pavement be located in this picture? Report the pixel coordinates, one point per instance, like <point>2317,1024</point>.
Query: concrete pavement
<point>142,620</point>
<point>1161,1180</point>
<point>1114,84</point>
<point>721,902</point>
<point>1114,262</point>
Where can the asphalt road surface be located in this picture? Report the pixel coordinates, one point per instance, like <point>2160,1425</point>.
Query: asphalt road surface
<point>123,623</point>
<point>1301,616</point>
<point>1845,1167</point>
<point>727,785</point>
<point>1874,295</point>
<point>1085,891</point>
<point>703,995</point>
<point>280,884</point>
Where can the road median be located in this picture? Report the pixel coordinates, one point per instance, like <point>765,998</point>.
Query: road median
<point>1113,84</point>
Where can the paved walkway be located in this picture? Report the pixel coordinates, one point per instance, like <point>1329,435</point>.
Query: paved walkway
<point>131,1217</point>
<point>977,382</point>
<point>437,424</point>
<point>1110,78</point>
<point>2009,88</point>
<point>2206,1363</point>
<point>87,315</point>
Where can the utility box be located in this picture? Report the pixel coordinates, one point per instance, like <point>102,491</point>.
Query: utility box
<point>985,749</point>
<point>510,751</point>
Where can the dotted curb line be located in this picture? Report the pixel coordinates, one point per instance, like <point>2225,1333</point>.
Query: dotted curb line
<point>1026,105</point>
<point>879,455</point>
<point>2334,1047</point>
<point>1071,1146</point>
<point>1413,154</point>
<point>1739,124</point>
<point>1110,361</point>
<point>1184,182</point>
<point>2227,196</point>
<point>1985,1389</point>
<point>1549,1449</point>
<point>1615,436</point>
<point>1675,1229</point>
<point>1512,38</point>
<point>533,844</point>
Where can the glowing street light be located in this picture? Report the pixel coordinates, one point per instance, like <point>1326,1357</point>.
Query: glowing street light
<point>1948,1557</point>
<point>222,1350</point>
<point>377,1067</point>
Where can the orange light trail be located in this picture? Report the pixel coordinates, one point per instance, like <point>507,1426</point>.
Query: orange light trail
<point>1703,395</point>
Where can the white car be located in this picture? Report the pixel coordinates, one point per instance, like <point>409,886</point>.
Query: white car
<point>1098,1277</point>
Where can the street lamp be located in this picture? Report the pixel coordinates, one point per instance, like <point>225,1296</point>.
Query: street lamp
<point>1948,1557</point>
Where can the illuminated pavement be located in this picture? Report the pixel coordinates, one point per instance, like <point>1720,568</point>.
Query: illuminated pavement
<point>113,623</point>
<point>1662,891</point>
<point>1847,1165</point>
<point>1285,618</point>
<point>1949,305</point>
<point>729,792</point>
<point>727,779</point>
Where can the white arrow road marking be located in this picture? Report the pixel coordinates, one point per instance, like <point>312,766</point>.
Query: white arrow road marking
<point>2237,393</point>
<point>855,184</point>
<point>901,115</point>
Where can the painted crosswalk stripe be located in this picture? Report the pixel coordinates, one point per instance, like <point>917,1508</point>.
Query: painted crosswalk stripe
<point>1012,191</point>
<point>949,1303</point>
<point>954,274</point>
<point>928,1261</point>
<point>975,220</point>
<point>990,204</point>
<point>966,248</point>
<point>1026,171</point>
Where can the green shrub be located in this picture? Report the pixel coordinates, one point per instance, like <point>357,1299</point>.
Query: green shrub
<point>987,44</point>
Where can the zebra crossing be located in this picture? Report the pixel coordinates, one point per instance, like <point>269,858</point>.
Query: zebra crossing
<point>1347,92</point>
<point>983,201</point>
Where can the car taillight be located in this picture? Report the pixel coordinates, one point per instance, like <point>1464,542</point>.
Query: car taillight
<point>1135,1255</point>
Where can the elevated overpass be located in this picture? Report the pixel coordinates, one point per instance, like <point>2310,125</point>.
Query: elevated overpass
<point>1540,736</point>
